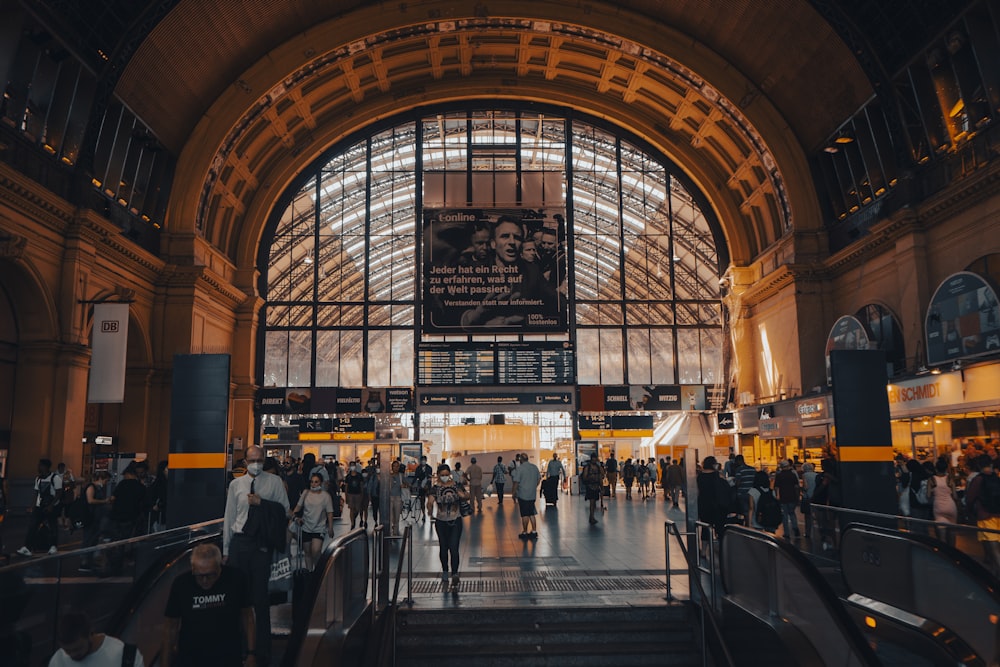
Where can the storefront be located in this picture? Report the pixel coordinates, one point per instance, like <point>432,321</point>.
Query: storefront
<point>952,413</point>
<point>793,429</point>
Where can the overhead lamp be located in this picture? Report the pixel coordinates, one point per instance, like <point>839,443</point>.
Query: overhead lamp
<point>831,149</point>
<point>307,259</point>
<point>935,371</point>
<point>843,137</point>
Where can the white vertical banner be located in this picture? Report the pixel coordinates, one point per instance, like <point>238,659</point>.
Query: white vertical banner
<point>107,360</point>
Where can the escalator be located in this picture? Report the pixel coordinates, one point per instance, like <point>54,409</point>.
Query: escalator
<point>908,599</point>
<point>911,591</point>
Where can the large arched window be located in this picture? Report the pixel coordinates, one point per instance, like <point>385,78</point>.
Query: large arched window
<point>341,261</point>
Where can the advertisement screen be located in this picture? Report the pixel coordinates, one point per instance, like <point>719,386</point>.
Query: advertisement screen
<point>494,270</point>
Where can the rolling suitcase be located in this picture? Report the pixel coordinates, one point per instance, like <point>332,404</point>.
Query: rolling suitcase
<point>550,490</point>
<point>300,586</point>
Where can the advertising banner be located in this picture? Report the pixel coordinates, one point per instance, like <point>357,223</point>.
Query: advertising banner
<point>107,361</point>
<point>963,319</point>
<point>494,270</point>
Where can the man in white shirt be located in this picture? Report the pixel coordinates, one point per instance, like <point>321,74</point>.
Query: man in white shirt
<point>245,552</point>
<point>80,645</point>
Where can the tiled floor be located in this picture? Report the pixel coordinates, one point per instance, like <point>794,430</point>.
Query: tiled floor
<point>619,561</point>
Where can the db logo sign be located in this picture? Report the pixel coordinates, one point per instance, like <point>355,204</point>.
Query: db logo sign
<point>109,326</point>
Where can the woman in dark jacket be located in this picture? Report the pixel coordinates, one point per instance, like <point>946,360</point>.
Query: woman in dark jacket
<point>715,500</point>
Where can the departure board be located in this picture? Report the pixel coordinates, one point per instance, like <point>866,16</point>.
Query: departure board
<point>524,363</point>
<point>535,363</point>
<point>451,364</point>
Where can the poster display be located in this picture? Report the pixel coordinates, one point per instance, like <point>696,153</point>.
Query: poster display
<point>494,270</point>
<point>963,319</point>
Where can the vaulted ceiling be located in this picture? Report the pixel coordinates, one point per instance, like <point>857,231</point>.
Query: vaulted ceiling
<point>737,92</point>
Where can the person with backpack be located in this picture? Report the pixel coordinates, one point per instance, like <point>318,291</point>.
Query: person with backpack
<point>983,497</point>
<point>920,501</point>
<point>43,530</point>
<point>592,479</point>
<point>80,645</point>
<point>787,486</point>
<point>628,477</point>
<point>764,506</point>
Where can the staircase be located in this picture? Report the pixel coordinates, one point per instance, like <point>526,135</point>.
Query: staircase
<point>566,637</point>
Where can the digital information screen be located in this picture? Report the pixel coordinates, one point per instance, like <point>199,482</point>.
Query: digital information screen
<point>450,364</point>
<point>499,363</point>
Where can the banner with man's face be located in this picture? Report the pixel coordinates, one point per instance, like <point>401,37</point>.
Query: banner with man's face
<point>494,270</point>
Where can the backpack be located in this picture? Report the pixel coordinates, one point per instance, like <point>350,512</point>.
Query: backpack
<point>768,512</point>
<point>354,484</point>
<point>989,495</point>
<point>821,490</point>
<point>920,496</point>
<point>46,491</point>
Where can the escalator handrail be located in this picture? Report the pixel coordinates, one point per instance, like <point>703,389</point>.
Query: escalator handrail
<point>44,558</point>
<point>827,596</point>
<point>971,567</point>
<point>324,566</point>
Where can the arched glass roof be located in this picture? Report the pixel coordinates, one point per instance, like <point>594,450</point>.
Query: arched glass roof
<point>343,255</point>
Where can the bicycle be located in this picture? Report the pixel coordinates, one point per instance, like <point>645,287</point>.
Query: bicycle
<point>413,509</point>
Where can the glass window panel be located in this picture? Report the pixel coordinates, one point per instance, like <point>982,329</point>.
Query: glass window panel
<point>276,359</point>
<point>586,313</point>
<point>711,356</point>
<point>639,368</point>
<point>612,366</point>
<point>401,359</point>
<point>661,313</point>
<point>378,316</point>
<point>379,356</point>
<point>505,188</point>
<point>352,357</point>
<point>455,189</point>
<point>328,316</point>
<point>637,314</point>
<point>689,356</point>
<point>402,316</point>
<point>276,315</point>
<point>482,188</point>
<point>687,313</point>
<point>300,354</point>
<point>711,313</point>
<point>532,189</point>
<point>611,313</point>
<point>661,352</point>
<point>353,316</point>
<point>588,367</point>
<point>327,358</point>
<point>79,116</point>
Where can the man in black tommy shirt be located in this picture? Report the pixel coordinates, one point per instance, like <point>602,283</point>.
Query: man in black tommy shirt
<point>209,612</point>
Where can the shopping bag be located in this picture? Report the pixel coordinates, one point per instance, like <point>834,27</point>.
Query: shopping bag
<point>280,580</point>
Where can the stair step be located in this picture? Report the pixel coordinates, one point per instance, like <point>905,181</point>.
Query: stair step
<point>667,659</point>
<point>579,616</point>
<point>517,638</point>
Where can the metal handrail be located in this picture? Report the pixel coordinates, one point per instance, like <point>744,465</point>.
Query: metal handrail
<point>904,519</point>
<point>671,527</point>
<point>105,546</point>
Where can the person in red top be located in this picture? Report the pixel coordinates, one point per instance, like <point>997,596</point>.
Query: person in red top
<point>786,483</point>
<point>983,498</point>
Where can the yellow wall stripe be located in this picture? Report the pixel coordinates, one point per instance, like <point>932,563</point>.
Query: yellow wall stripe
<point>189,461</point>
<point>862,454</point>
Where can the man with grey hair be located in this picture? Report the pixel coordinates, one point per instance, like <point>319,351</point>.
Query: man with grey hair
<point>250,553</point>
<point>208,612</point>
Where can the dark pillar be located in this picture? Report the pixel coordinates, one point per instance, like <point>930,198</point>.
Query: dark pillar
<point>864,437</point>
<point>199,422</point>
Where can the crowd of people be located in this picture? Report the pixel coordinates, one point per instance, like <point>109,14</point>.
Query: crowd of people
<point>64,504</point>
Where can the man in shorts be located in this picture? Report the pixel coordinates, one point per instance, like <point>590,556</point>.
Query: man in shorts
<point>526,478</point>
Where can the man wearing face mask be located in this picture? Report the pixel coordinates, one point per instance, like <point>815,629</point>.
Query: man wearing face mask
<point>245,552</point>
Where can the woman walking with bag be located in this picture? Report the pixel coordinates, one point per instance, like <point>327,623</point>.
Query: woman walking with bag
<point>448,497</point>
<point>316,519</point>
